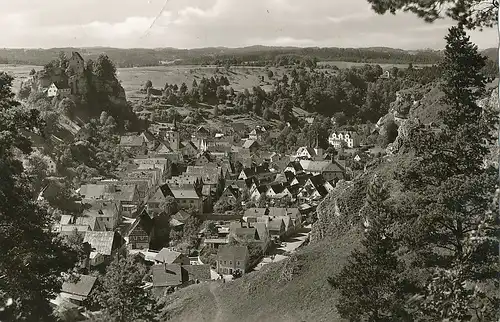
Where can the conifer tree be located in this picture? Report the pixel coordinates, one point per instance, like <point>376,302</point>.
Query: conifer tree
<point>446,212</point>
<point>371,286</point>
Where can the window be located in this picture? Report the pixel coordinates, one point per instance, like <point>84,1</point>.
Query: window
<point>224,262</point>
<point>230,262</point>
<point>238,263</point>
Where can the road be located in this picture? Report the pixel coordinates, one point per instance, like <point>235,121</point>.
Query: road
<point>289,245</point>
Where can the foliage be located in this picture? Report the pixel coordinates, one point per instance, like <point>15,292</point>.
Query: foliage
<point>473,13</point>
<point>121,293</point>
<point>372,286</point>
<point>31,257</point>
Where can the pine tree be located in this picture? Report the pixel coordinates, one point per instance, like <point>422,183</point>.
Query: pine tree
<point>372,286</point>
<point>448,193</point>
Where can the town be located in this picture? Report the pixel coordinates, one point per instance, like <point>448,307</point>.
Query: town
<point>250,184</point>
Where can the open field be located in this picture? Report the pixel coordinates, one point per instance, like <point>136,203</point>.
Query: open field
<point>240,77</point>
<point>344,64</point>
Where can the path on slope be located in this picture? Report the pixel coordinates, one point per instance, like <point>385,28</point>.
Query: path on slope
<point>218,314</point>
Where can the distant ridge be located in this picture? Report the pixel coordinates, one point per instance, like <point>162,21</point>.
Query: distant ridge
<point>257,55</point>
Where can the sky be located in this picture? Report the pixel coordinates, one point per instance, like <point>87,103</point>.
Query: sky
<point>213,23</point>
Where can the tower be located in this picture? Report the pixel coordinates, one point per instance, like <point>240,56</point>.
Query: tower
<point>172,136</point>
<point>319,151</point>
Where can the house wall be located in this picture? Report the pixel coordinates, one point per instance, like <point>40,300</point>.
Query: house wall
<point>227,267</point>
<point>52,91</point>
<point>191,203</point>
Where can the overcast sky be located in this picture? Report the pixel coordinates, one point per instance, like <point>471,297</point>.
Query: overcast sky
<point>204,23</point>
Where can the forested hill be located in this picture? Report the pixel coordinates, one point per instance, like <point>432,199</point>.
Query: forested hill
<point>254,55</point>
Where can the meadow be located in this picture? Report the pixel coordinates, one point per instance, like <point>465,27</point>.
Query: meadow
<point>240,78</point>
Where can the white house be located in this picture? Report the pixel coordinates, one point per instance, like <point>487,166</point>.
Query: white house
<point>58,89</point>
<point>350,138</point>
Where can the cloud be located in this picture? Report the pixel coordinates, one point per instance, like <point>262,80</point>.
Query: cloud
<point>201,23</point>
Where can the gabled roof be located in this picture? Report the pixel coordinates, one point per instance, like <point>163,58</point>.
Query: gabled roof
<point>181,215</point>
<point>185,193</point>
<point>61,85</point>
<point>275,224</point>
<point>101,241</point>
<point>132,140</point>
<point>249,143</point>
<point>262,230</point>
<point>233,190</point>
<point>198,272</point>
<point>308,150</point>
<point>246,233</point>
<point>167,275</point>
<point>82,287</point>
<point>167,256</point>
<point>255,212</point>
<point>77,55</point>
<point>295,165</point>
<point>143,221</point>
<point>234,253</point>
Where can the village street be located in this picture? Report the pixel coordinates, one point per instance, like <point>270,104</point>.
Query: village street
<point>288,246</point>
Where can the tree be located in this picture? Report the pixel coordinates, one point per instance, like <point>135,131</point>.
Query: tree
<point>270,74</point>
<point>32,72</point>
<point>32,258</point>
<point>148,84</point>
<point>474,13</point>
<point>104,68</point>
<point>121,293</point>
<point>37,172</point>
<point>372,286</point>
<point>448,192</point>
<point>390,133</point>
<point>183,89</point>
<point>221,93</point>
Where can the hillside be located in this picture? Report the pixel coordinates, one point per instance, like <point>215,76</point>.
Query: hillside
<point>263,297</point>
<point>248,55</point>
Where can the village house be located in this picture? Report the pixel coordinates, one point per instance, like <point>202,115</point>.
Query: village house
<point>104,245</point>
<point>231,195</point>
<point>278,191</point>
<point>349,138</point>
<point>134,144</point>
<point>141,232</point>
<point>257,134</point>
<point>107,213</point>
<point>330,170</point>
<point>231,259</point>
<point>276,228</point>
<point>58,89</point>
<point>305,153</point>
<point>77,292</point>
<point>292,213</point>
<point>167,256</point>
<point>69,225</point>
<point>315,188</point>
<point>251,145</point>
<point>258,193</point>
<point>294,167</point>
<point>168,277</point>
<point>188,198</point>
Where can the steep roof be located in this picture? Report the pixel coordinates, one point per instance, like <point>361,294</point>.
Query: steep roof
<point>101,241</point>
<point>167,256</point>
<point>249,143</point>
<point>144,221</point>
<point>275,224</point>
<point>82,287</point>
<point>167,275</point>
<point>132,140</point>
<point>255,212</point>
<point>185,193</point>
<point>235,253</point>
<point>198,272</point>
